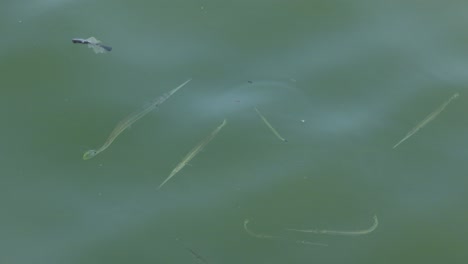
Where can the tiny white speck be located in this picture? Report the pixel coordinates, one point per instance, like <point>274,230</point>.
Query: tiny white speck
<point>302,120</point>
<point>20,21</point>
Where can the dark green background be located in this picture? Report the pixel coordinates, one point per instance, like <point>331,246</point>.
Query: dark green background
<point>360,74</point>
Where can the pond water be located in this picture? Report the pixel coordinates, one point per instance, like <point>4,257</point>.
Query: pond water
<point>342,81</point>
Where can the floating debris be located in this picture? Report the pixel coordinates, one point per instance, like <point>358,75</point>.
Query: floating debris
<point>341,233</point>
<point>426,120</point>
<point>193,153</point>
<point>94,44</point>
<point>129,120</point>
<point>270,126</point>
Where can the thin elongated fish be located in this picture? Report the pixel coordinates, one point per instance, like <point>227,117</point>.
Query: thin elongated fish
<point>263,236</point>
<point>428,119</point>
<point>342,233</point>
<point>129,120</point>
<point>193,153</point>
<point>94,44</point>
<point>270,126</point>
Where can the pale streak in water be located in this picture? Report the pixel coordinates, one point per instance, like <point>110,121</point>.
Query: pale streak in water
<point>193,153</point>
<point>129,120</point>
<point>426,120</point>
<point>263,236</point>
<point>341,233</point>
<point>270,126</point>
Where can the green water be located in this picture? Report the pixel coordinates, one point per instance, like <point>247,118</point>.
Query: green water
<point>342,81</point>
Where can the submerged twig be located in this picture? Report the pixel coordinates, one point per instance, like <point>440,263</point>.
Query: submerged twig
<point>197,256</point>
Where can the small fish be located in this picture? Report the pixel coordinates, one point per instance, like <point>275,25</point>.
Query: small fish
<point>93,43</point>
<point>263,236</point>
<point>129,120</point>
<point>270,126</point>
<point>193,153</point>
<point>246,222</point>
<point>342,233</point>
<point>426,120</point>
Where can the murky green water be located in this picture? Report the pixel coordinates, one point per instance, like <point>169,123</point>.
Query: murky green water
<point>342,81</point>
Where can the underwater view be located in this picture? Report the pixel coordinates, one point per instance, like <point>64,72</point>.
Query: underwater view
<point>233,132</point>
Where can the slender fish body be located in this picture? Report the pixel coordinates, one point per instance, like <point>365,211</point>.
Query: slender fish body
<point>342,233</point>
<point>426,120</point>
<point>270,126</point>
<point>193,153</point>
<point>264,236</point>
<point>129,120</point>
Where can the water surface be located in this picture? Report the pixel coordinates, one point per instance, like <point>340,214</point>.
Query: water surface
<point>343,81</point>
